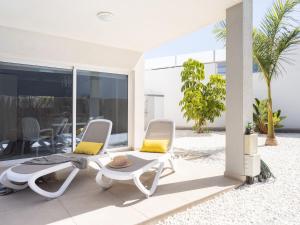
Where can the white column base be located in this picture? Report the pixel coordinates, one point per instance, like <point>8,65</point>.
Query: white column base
<point>235,176</point>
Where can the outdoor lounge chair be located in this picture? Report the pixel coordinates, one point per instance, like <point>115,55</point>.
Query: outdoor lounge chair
<point>23,175</point>
<point>142,161</point>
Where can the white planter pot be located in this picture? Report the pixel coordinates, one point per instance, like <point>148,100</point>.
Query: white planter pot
<point>250,144</point>
<point>252,165</point>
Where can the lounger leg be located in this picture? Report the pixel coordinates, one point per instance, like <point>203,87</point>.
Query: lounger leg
<point>97,161</point>
<point>142,188</point>
<point>7,183</point>
<point>59,192</point>
<point>172,163</point>
<point>103,181</point>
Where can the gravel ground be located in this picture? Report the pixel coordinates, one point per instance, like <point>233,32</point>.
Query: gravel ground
<point>274,202</point>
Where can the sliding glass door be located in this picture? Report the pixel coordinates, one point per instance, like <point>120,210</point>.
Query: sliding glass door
<point>36,108</point>
<point>35,111</point>
<point>103,96</point>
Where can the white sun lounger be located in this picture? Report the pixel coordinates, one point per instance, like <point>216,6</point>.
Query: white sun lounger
<point>21,176</point>
<point>142,161</point>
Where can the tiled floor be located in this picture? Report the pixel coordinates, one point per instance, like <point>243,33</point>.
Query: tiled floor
<point>85,203</point>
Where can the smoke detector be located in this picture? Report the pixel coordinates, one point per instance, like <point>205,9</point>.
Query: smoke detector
<point>105,16</point>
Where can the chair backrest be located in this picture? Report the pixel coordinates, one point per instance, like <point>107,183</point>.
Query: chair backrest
<point>99,131</point>
<point>161,129</point>
<point>30,128</point>
<point>62,126</point>
<point>84,128</point>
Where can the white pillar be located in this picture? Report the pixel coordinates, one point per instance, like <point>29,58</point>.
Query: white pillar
<point>137,105</point>
<point>239,95</point>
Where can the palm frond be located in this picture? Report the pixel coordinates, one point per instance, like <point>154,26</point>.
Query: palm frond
<point>278,18</point>
<point>284,46</point>
<point>220,31</point>
<point>276,38</point>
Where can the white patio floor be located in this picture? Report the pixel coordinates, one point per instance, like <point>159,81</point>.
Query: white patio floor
<point>86,203</point>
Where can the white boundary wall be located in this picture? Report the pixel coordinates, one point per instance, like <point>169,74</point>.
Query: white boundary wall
<point>162,76</point>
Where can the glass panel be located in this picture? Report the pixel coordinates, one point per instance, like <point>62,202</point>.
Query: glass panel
<point>35,111</point>
<point>103,95</point>
<point>221,68</point>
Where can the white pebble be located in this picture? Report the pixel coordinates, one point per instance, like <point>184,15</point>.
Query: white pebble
<point>268,203</point>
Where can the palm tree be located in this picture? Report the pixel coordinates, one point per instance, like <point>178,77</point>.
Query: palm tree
<point>273,43</point>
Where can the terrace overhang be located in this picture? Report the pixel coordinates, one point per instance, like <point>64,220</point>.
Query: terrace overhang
<point>134,25</point>
<point>70,32</point>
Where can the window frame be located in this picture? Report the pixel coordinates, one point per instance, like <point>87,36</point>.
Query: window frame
<point>74,67</point>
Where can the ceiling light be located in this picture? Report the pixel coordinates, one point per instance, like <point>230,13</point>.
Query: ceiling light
<point>105,16</point>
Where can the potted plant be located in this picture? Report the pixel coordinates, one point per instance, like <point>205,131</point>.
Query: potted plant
<point>250,140</point>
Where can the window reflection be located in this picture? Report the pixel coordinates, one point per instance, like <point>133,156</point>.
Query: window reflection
<point>36,108</point>
<point>221,68</point>
<point>103,96</point>
<point>35,111</point>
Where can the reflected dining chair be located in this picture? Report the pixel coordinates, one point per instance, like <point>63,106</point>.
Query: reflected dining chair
<point>32,133</point>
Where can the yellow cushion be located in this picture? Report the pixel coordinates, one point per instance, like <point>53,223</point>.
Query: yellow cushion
<point>88,148</point>
<point>160,146</point>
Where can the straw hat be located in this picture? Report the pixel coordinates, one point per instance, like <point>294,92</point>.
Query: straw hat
<point>121,161</point>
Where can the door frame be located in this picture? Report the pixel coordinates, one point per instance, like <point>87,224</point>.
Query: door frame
<point>74,67</point>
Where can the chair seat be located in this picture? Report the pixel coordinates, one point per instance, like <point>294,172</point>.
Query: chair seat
<point>30,169</point>
<point>141,162</point>
<point>142,155</point>
<point>137,163</point>
<point>22,172</point>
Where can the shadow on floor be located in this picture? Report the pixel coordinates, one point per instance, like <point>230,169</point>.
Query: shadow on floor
<point>85,199</point>
<point>132,198</point>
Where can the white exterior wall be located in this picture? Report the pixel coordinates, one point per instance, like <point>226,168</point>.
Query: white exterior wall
<point>167,82</point>
<point>154,107</point>
<point>137,116</point>
<point>285,93</point>
<point>18,46</point>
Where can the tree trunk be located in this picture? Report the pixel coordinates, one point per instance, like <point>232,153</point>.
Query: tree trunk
<point>271,139</point>
<point>200,126</point>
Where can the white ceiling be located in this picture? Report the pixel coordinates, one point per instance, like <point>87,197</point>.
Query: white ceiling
<point>137,24</point>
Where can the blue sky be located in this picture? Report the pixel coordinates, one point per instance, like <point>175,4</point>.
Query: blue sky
<point>203,39</point>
